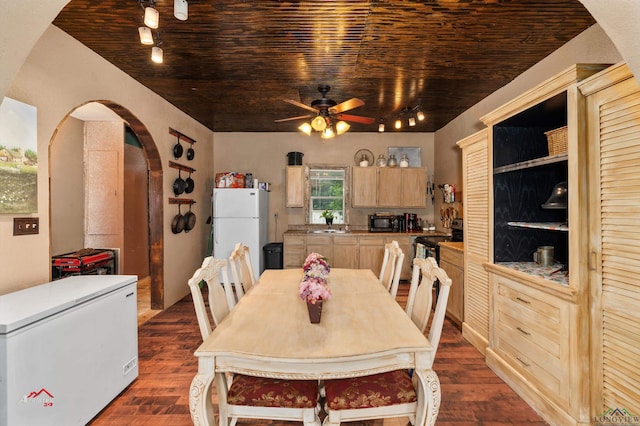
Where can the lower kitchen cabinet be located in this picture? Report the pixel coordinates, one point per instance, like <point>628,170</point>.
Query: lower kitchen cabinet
<point>294,251</point>
<point>371,253</point>
<point>452,261</point>
<point>345,252</point>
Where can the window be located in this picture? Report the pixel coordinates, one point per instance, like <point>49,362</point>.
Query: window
<point>326,192</point>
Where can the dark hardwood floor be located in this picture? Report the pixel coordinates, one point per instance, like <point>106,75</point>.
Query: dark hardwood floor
<point>471,393</point>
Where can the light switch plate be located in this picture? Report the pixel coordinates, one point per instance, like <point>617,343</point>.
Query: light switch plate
<point>26,225</point>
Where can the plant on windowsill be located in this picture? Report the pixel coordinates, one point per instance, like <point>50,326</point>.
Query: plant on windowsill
<point>328,216</point>
<point>313,287</point>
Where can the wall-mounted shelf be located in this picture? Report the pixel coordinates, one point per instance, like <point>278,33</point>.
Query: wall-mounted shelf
<point>530,163</point>
<point>181,201</point>
<point>551,226</point>
<point>178,166</point>
<point>182,136</point>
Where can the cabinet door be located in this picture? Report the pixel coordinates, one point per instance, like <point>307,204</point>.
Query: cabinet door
<point>614,270</point>
<point>371,253</point>
<point>320,244</point>
<point>294,251</point>
<point>345,252</point>
<point>452,262</point>
<point>475,178</point>
<point>389,187</point>
<point>364,186</point>
<point>404,241</point>
<point>295,178</point>
<point>414,187</point>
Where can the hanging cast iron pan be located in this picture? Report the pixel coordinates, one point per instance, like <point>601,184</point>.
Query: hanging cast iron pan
<point>189,184</point>
<point>179,185</point>
<point>178,223</point>
<point>189,220</point>
<point>190,153</point>
<point>177,149</point>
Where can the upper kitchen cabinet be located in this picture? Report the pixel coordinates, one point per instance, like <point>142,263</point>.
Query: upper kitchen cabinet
<point>393,187</point>
<point>539,313</point>
<point>295,179</point>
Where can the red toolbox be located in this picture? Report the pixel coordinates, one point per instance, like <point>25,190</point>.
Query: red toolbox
<point>87,261</point>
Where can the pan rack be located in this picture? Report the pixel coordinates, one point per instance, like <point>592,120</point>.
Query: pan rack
<point>180,135</point>
<point>179,166</point>
<point>181,201</point>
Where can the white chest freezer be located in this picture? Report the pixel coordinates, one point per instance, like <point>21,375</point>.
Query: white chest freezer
<point>67,348</point>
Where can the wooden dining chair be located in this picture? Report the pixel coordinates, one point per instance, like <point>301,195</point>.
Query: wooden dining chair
<point>248,396</point>
<point>391,267</point>
<point>241,270</point>
<point>391,394</point>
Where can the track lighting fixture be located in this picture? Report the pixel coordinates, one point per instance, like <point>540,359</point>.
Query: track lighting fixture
<point>381,126</point>
<point>157,54</point>
<point>410,114</point>
<point>146,36</point>
<point>412,121</point>
<point>151,16</point>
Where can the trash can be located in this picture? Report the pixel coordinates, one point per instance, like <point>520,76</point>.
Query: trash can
<point>273,255</point>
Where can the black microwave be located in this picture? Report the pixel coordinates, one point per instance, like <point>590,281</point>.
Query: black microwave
<point>385,223</point>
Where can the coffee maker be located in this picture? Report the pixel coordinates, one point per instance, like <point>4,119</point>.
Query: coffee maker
<point>411,222</point>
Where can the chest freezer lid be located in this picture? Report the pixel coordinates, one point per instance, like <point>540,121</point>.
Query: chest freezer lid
<point>27,306</point>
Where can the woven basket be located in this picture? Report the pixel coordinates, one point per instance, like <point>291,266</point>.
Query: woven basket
<point>557,141</point>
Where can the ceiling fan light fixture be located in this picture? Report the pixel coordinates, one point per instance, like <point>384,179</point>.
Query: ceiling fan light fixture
<point>342,127</point>
<point>319,123</point>
<point>181,9</point>
<point>306,128</point>
<point>328,133</point>
<point>157,55</point>
<point>146,36</point>
<point>151,17</point>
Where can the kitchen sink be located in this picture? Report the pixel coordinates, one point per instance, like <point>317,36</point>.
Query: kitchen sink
<point>327,231</point>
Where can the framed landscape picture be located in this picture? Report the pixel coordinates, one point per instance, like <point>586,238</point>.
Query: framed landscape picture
<point>18,158</point>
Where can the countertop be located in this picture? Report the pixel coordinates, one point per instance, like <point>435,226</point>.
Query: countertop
<point>367,233</point>
<point>458,246</point>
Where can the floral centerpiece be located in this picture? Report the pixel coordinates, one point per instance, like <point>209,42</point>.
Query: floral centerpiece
<point>313,287</point>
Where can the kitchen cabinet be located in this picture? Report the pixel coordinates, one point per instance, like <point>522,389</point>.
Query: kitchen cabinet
<point>393,187</point>
<point>294,247</point>
<point>371,253</point>
<point>404,241</point>
<point>475,207</point>
<point>364,191</point>
<point>550,372</point>
<point>345,252</point>
<point>322,244</point>
<point>295,179</point>
<point>613,120</point>
<point>452,261</point>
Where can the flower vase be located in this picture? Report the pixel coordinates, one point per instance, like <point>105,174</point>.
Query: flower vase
<point>315,311</point>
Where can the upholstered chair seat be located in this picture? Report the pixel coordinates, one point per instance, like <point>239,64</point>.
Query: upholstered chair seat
<point>269,392</point>
<point>377,390</point>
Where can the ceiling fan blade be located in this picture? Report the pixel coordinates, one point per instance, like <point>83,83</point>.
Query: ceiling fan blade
<point>347,105</point>
<point>300,117</point>
<point>355,118</point>
<point>301,105</point>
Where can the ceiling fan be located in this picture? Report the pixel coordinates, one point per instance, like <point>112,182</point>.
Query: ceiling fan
<point>327,112</point>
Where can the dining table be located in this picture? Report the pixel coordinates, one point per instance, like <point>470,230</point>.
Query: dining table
<point>362,331</point>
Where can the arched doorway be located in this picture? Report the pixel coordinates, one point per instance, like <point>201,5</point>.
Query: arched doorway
<point>154,198</point>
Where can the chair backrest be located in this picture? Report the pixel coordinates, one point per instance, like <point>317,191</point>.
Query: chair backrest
<point>241,269</point>
<point>391,267</point>
<point>214,273</point>
<point>425,273</point>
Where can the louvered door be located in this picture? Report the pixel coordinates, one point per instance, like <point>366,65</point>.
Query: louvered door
<point>475,174</point>
<point>614,185</point>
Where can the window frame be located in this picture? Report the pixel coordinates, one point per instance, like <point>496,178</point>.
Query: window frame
<point>345,192</point>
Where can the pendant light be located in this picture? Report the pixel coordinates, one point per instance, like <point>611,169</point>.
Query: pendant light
<point>146,36</point>
<point>151,17</point>
<point>181,9</point>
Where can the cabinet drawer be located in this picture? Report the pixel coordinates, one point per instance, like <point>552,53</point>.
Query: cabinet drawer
<point>531,333</point>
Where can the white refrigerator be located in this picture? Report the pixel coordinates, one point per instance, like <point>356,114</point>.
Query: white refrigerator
<point>67,348</point>
<point>241,216</point>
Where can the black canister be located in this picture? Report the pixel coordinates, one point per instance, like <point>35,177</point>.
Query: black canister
<point>294,158</point>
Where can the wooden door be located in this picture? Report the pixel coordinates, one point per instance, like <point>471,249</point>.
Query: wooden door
<point>414,187</point>
<point>345,252</point>
<point>475,177</point>
<point>371,253</point>
<point>614,242</point>
<point>389,187</point>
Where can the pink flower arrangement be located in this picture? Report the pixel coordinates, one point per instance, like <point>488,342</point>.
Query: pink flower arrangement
<point>314,283</point>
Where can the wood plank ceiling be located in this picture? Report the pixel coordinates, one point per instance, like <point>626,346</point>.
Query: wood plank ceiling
<point>231,64</point>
